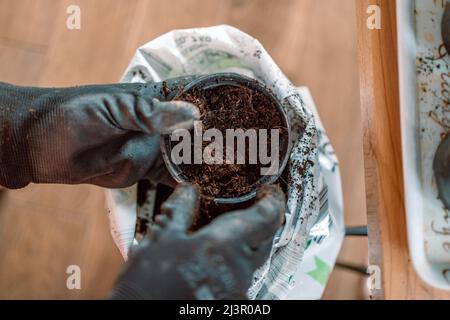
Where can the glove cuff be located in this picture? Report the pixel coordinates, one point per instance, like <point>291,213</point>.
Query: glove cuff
<point>14,162</point>
<point>27,117</point>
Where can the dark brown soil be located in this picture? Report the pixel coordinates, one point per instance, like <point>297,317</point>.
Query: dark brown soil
<point>231,107</point>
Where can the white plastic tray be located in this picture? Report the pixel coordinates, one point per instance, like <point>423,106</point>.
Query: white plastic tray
<point>418,26</point>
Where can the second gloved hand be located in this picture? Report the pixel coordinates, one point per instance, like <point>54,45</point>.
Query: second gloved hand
<point>107,135</point>
<point>216,262</point>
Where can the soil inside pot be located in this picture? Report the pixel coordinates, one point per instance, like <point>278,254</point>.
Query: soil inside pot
<point>231,107</point>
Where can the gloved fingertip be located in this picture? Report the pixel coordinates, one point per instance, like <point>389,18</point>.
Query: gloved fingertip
<point>181,206</point>
<point>173,115</point>
<point>271,202</point>
<point>273,190</point>
<point>162,220</point>
<point>187,191</point>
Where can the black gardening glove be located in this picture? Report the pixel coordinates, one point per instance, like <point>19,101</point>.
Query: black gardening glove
<point>107,135</point>
<point>442,171</point>
<point>216,262</point>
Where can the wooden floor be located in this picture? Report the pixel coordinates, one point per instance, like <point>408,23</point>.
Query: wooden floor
<point>44,229</point>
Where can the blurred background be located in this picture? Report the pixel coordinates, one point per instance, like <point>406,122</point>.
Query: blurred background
<point>46,228</point>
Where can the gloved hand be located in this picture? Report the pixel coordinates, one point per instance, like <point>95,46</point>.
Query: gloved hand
<point>107,135</point>
<point>442,170</point>
<point>216,262</point>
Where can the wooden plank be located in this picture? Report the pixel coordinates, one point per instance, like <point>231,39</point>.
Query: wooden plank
<point>388,247</point>
<point>43,230</point>
<point>25,31</point>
